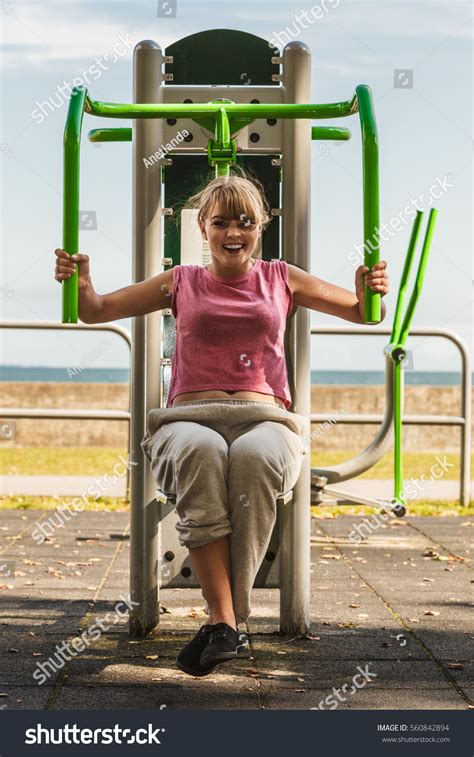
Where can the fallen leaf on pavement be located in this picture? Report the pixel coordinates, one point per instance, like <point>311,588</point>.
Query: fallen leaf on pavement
<point>430,552</point>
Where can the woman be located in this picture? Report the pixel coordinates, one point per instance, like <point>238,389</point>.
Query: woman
<point>226,444</point>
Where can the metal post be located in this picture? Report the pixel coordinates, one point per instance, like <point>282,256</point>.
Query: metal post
<point>296,517</point>
<point>466,391</point>
<point>146,340</point>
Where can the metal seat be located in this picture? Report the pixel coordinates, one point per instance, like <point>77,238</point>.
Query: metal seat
<point>170,499</point>
<point>175,569</point>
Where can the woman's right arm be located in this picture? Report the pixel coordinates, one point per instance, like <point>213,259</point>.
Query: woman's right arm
<point>138,299</point>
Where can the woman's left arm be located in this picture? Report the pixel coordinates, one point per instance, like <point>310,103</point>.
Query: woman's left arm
<point>317,294</point>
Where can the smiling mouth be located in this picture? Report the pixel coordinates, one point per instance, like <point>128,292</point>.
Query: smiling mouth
<point>233,248</point>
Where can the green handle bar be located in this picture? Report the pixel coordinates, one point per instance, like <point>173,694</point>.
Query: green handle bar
<point>225,118</point>
<point>125,134</point>
<point>401,327</point>
<point>72,147</point>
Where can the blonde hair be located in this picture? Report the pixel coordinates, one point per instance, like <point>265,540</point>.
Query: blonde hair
<point>236,196</point>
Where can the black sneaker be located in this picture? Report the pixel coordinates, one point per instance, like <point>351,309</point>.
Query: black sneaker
<point>188,658</point>
<point>222,645</point>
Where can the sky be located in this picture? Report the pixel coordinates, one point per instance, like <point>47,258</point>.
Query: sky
<point>424,118</point>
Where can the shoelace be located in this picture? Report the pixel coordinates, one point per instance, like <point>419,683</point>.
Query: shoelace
<point>202,635</point>
<point>221,633</point>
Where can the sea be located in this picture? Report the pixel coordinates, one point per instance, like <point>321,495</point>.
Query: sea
<point>121,375</point>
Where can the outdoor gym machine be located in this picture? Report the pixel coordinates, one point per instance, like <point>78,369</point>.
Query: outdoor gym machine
<point>186,83</point>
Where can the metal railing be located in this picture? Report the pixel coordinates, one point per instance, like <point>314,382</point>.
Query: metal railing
<point>70,413</point>
<point>463,420</point>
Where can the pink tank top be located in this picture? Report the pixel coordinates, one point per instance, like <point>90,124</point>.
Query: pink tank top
<point>229,330</point>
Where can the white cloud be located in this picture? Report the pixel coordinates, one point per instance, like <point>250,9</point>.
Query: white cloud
<point>36,34</point>
<point>43,33</point>
<point>394,18</point>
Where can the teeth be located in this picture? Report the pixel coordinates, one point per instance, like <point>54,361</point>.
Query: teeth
<point>233,246</point>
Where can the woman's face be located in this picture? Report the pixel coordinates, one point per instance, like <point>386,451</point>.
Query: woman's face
<point>232,241</point>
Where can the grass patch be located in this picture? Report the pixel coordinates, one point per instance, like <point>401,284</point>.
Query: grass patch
<point>414,464</point>
<point>120,504</point>
<point>27,502</point>
<point>59,461</point>
<point>444,508</point>
<point>96,461</point>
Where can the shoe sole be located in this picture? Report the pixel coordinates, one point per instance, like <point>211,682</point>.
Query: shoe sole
<point>243,650</point>
<point>189,671</point>
<point>220,657</point>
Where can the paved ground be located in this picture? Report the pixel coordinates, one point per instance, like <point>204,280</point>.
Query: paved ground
<point>398,606</point>
<point>76,485</point>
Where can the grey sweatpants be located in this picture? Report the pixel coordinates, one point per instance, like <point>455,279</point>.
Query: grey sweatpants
<point>227,461</point>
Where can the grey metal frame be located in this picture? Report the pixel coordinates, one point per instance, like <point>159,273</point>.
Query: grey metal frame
<point>146,340</point>
<point>69,413</point>
<point>148,134</point>
<point>295,523</point>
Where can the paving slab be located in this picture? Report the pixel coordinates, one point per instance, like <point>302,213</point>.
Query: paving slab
<point>31,697</point>
<point>364,699</point>
<point>400,602</point>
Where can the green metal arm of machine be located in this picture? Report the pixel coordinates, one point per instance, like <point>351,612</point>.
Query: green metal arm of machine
<point>72,148</point>
<point>401,327</point>
<point>225,119</point>
<point>396,348</point>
